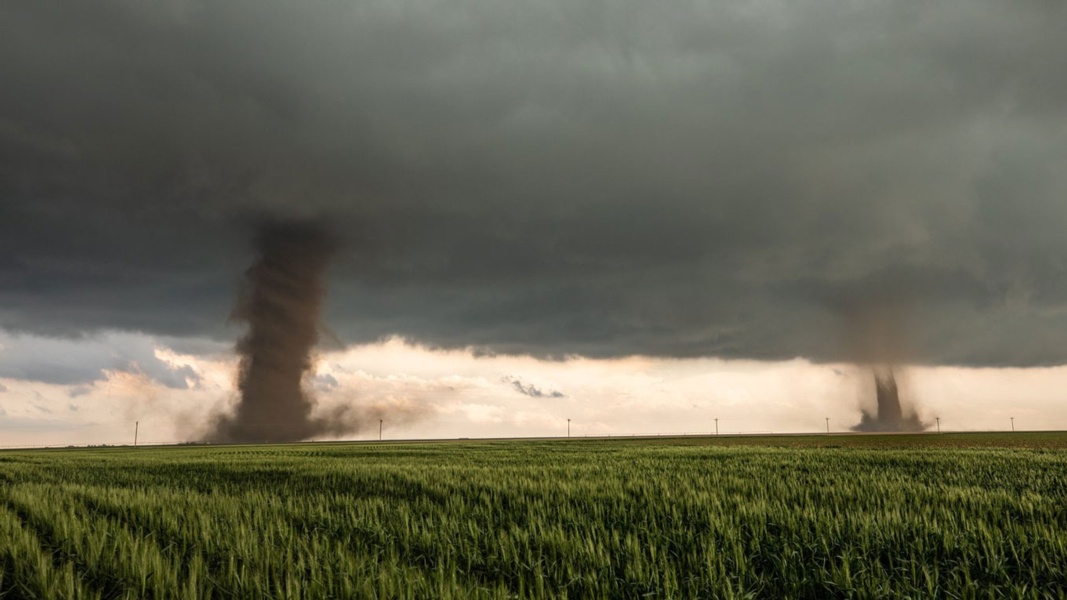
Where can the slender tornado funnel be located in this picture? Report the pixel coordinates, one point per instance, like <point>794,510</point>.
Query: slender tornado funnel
<point>280,301</point>
<point>876,335</point>
<point>890,414</point>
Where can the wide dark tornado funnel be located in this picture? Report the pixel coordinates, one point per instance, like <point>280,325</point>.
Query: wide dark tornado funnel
<point>280,301</point>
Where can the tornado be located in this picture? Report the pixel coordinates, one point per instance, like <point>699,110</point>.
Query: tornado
<point>876,334</point>
<point>280,302</point>
<point>889,415</point>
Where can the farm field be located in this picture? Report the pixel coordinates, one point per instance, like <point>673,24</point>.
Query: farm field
<point>954,516</point>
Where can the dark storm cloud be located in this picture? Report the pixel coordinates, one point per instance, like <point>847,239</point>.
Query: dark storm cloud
<point>708,178</point>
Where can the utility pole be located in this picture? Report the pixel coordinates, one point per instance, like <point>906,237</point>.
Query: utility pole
<point>568,428</point>
<point>716,426</point>
<point>379,430</point>
<point>136,427</point>
<point>827,425</point>
<point>938,424</point>
<point>1013,424</point>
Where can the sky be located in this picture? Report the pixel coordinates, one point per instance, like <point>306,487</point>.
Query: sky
<point>635,216</point>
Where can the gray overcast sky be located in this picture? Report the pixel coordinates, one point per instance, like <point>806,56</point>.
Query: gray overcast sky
<point>723,179</point>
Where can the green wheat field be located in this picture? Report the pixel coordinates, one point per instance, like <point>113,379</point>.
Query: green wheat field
<point>919,516</point>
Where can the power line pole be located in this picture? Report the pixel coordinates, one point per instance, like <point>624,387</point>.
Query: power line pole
<point>1013,424</point>
<point>827,425</point>
<point>716,426</point>
<point>136,427</point>
<point>379,430</point>
<point>938,424</point>
<point>568,428</point>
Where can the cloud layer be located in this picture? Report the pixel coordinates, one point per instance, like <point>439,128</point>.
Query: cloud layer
<point>709,179</point>
<point>88,360</point>
<point>419,393</point>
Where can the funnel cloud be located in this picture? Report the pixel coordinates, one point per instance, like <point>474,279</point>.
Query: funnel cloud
<point>281,302</point>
